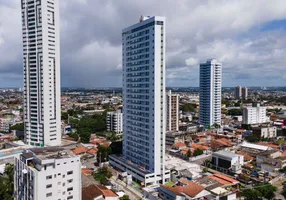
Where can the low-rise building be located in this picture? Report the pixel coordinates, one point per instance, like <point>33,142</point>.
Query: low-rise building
<point>265,132</point>
<point>47,173</point>
<point>271,160</point>
<point>98,192</point>
<point>228,160</point>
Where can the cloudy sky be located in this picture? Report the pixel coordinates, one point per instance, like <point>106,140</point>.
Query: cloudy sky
<point>247,36</point>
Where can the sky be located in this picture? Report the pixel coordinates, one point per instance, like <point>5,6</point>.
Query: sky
<point>247,37</point>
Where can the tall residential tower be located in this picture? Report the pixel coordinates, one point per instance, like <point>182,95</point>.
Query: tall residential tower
<point>172,111</point>
<point>41,52</point>
<point>210,92</point>
<point>237,92</point>
<point>144,101</point>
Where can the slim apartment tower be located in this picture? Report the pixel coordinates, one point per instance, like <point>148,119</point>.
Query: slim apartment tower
<point>210,92</point>
<point>244,92</point>
<point>144,101</point>
<point>49,173</point>
<point>41,51</point>
<point>172,111</point>
<point>238,92</point>
<point>114,121</point>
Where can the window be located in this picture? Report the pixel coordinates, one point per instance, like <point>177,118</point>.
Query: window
<point>70,181</point>
<point>70,197</point>
<point>70,189</point>
<point>49,177</point>
<point>49,186</point>
<point>49,194</point>
<point>70,172</point>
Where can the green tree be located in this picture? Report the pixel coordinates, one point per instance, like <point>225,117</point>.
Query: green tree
<point>198,152</point>
<point>105,171</point>
<point>124,197</point>
<point>251,194</point>
<point>103,153</point>
<point>7,183</point>
<point>189,154</point>
<point>18,127</point>
<point>188,108</point>
<point>84,134</point>
<point>101,178</point>
<point>235,112</point>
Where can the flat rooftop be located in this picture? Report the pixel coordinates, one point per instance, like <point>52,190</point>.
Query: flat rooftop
<point>49,153</point>
<point>227,154</point>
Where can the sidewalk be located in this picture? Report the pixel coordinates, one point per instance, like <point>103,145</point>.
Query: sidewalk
<point>136,193</point>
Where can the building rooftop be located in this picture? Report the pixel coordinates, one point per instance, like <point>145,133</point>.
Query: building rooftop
<point>227,154</point>
<point>49,153</point>
<point>254,146</point>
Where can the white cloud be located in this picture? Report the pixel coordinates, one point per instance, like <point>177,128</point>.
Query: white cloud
<point>196,30</point>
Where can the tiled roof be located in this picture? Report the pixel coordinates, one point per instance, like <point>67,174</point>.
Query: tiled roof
<point>106,192</point>
<point>274,146</point>
<point>91,192</point>
<point>246,156</point>
<point>198,146</point>
<point>223,179</point>
<point>186,187</point>
<point>79,150</point>
<point>86,171</point>
<point>179,145</point>
<point>92,151</point>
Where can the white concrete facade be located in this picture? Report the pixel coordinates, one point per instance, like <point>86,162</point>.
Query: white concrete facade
<point>254,115</point>
<point>39,176</point>
<point>210,92</point>
<point>114,121</point>
<point>144,96</point>
<point>172,111</point>
<point>41,52</point>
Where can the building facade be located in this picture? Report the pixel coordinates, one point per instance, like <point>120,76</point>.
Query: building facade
<point>254,115</point>
<point>144,100</point>
<point>47,173</point>
<point>244,91</point>
<point>172,111</point>
<point>41,52</point>
<point>114,121</point>
<point>210,92</point>
<point>238,92</point>
<point>265,132</point>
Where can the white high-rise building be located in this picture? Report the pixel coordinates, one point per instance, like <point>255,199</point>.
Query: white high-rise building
<point>49,173</point>
<point>254,115</point>
<point>238,92</point>
<point>210,92</point>
<point>114,121</point>
<point>41,51</point>
<point>144,101</point>
<point>172,111</point>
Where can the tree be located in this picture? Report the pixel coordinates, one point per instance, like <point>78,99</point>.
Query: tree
<point>103,153</point>
<point>18,127</point>
<point>124,197</point>
<point>235,112</point>
<point>189,153</point>
<point>188,108</point>
<point>7,183</point>
<point>260,191</point>
<point>84,135</point>
<point>198,152</point>
<point>105,171</point>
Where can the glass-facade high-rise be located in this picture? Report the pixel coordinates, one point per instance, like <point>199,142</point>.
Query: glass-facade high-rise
<point>210,92</point>
<point>144,96</point>
<point>41,53</point>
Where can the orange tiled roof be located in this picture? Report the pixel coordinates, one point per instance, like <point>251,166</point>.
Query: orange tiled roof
<point>274,146</point>
<point>92,151</point>
<point>86,171</point>
<point>222,179</point>
<point>199,146</point>
<point>246,156</point>
<point>98,141</point>
<point>79,150</point>
<point>179,145</point>
<point>190,188</point>
<point>106,192</point>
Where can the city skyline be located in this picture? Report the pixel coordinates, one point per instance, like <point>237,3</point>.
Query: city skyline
<point>242,44</point>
